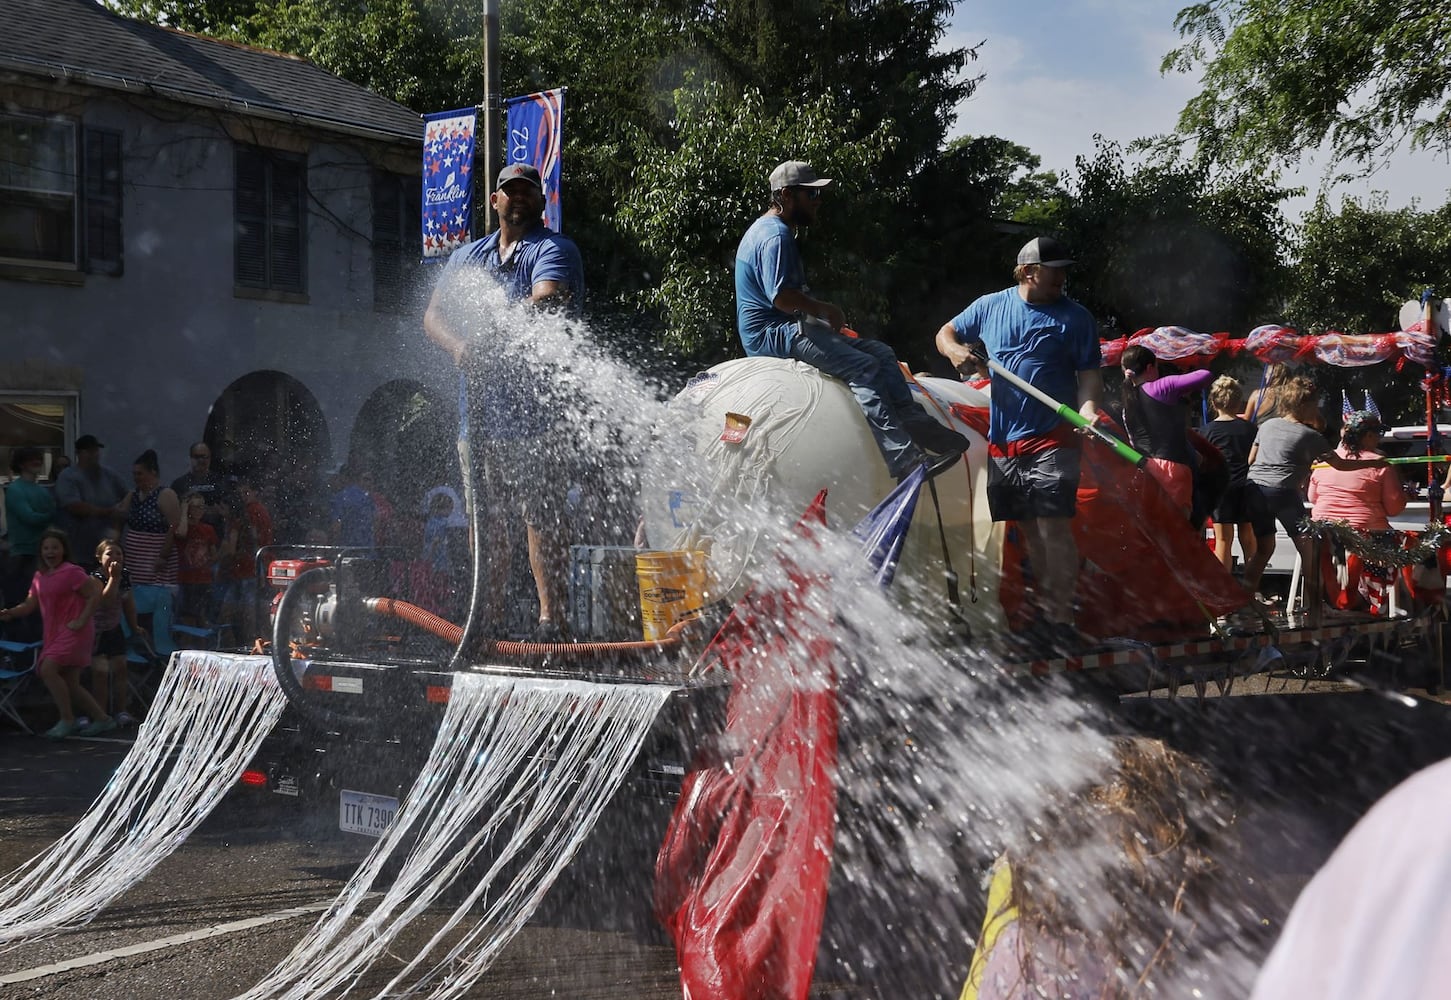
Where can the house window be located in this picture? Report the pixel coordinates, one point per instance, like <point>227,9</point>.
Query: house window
<point>396,209</point>
<point>37,190</point>
<point>271,215</point>
<point>41,420</point>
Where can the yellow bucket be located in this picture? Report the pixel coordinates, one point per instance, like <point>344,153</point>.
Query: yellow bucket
<point>672,589</point>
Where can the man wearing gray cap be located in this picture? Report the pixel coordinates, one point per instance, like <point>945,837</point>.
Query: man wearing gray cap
<point>539,267</point>
<point>1038,333</point>
<point>777,317</point>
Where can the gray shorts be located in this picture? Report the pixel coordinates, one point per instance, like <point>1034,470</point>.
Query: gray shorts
<point>1039,484</point>
<point>519,477</point>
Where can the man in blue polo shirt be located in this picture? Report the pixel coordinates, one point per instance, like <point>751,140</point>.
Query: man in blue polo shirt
<point>542,269</point>
<point>777,317</point>
<point>1038,333</point>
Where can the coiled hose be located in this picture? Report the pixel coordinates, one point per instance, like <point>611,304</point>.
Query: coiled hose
<point>453,634</point>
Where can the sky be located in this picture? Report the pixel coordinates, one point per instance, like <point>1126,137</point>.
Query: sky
<point>1058,71</point>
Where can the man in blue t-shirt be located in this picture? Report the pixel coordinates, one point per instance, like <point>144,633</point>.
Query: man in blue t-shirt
<point>1038,333</point>
<point>542,269</point>
<point>777,317</point>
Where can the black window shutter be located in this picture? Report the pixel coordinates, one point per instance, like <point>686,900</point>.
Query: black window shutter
<point>397,209</point>
<point>287,216</point>
<point>387,250</point>
<point>101,169</point>
<point>250,206</point>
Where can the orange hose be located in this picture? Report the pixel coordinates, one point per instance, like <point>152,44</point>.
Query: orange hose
<point>453,634</point>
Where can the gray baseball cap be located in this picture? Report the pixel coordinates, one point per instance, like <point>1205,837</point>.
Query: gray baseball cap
<point>1044,250</point>
<point>519,172</point>
<point>796,173</point>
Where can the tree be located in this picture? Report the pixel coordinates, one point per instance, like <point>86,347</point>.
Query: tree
<point>693,199</point>
<point>1283,77</point>
<point>1357,265</point>
<point>649,85</point>
<point>964,241</point>
<point>1173,243</point>
<point>1354,269</point>
<point>424,54</point>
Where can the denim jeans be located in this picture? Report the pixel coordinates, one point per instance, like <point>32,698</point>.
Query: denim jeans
<point>869,367</point>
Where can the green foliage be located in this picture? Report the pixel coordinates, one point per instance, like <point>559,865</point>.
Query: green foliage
<point>1281,77</point>
<point>692,200</point>
<point>1359,264</point>
<point>222,18</point>
<point>424,54</point>
<point>1355,268</point>
<point>1168,242</point>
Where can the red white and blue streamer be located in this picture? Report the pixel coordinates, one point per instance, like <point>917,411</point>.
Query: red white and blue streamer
<point>1275,344</point>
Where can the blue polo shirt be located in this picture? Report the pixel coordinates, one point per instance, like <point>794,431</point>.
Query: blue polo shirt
<point>512,406</point>
<point>767,261</point>
<point>1044,344</point>
<point>539,255</point>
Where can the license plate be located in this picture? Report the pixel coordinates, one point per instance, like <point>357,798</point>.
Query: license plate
<point>361,812</point>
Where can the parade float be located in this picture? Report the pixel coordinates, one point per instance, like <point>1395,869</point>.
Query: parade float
<point>737,757</point>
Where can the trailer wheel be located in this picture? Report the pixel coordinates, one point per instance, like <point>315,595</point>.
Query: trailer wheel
<point>282,633</point>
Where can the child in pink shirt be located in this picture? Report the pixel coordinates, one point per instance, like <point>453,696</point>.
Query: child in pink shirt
<point>67,599</point>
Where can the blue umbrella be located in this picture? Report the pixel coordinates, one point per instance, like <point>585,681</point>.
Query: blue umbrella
<point>884,530</point>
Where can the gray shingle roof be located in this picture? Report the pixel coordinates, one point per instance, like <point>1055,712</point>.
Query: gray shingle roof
<point>81,39</point>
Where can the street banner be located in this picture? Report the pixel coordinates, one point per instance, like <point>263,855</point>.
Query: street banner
<point>535,136</point>
<point>448,165</point>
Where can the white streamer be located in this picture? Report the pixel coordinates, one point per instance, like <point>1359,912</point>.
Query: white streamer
<point>206,722</point>
<point>519,774</point>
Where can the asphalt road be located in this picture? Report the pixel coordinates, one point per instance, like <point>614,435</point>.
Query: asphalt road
<point>252,861</point>
<point>229,904</point>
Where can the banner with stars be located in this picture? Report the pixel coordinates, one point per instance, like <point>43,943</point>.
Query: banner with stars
<point>536,135</point>
<point>448,174</point>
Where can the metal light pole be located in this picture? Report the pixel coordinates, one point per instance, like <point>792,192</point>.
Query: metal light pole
<point>489,135</point>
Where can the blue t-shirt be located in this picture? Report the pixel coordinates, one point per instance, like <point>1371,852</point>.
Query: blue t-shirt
<point>511,406</point>
<point>767,261</point>
<point>1044,344</point>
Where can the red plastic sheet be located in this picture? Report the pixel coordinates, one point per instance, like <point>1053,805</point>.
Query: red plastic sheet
<point>741,879</point>
<point>1146,573</point>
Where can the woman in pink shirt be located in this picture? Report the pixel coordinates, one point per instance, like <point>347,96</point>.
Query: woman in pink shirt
<point>1364,498</point>
<point>1157,419</point>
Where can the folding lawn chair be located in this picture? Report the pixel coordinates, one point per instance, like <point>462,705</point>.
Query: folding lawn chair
<point>142,665</point>
<point>207,636</point>
<point>18,661</point>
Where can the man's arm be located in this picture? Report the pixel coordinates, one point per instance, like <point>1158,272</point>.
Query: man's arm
<point>794,300</point>
<point>557,273</point>
<point>549,294</point>
<point>1090,393</point>
<point>438,328</point>
<point>68,497</point>
<point>959,354</point>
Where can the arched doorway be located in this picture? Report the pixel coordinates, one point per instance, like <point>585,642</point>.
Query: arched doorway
<point>270,424</point>
<point>404,441</point>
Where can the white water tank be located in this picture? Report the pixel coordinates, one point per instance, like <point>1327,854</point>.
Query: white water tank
<point>736,499</point>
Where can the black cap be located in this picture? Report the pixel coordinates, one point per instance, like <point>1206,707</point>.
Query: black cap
<point>87,441</point>
<point>1045,250</point>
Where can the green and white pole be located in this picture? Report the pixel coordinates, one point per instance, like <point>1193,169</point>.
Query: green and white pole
<point>1069,414</point>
